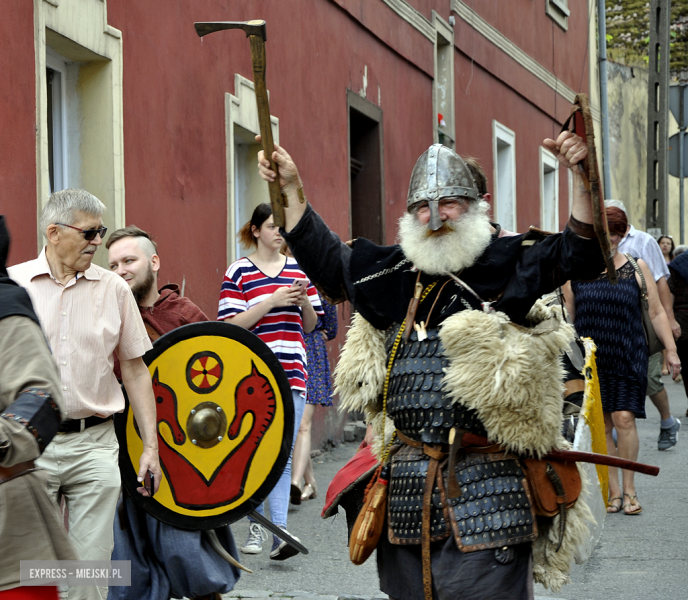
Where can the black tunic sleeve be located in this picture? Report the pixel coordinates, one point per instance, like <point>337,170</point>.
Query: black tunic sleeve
<point>545,265</point>
<point>321,255</point>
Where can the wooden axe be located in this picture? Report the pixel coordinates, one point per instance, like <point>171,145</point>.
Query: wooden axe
<point>256,33</point>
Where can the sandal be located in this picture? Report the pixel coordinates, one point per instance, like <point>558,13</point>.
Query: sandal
<point>310,492</point>
<point>633,502</point>
<point>612,508</point>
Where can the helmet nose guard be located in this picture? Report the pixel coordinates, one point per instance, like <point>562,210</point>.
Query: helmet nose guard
<point>439,173</point>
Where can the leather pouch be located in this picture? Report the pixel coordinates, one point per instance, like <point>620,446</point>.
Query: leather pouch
<point>370,521</point>
<point>543,483</point>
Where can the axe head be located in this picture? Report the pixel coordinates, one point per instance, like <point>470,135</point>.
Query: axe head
<point>256,27</point>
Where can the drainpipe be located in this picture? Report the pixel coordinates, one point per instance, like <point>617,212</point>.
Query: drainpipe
<point>604,107</point>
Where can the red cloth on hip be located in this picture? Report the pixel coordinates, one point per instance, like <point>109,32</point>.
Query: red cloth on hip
<point>39,592</point>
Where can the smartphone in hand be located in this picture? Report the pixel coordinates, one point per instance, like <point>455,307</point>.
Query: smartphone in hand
<point>299,283</point>
<point>149,483</point>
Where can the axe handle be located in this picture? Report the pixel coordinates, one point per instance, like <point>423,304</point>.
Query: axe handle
<point>258,60</point>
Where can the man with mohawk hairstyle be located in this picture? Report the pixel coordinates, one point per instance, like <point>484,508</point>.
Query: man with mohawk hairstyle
<point>449,339</point>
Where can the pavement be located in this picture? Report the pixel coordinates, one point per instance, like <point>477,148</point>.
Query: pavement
<point>640,557</point>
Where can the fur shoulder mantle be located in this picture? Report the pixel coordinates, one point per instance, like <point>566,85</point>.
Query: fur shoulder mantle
<point>511,375</point>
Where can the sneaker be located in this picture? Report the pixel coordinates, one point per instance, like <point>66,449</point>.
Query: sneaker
<point>281,550</point>
<point>256,536</point>
<point>668,436</point>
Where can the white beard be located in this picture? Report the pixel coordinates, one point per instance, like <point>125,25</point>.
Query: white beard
<point>441,254</point>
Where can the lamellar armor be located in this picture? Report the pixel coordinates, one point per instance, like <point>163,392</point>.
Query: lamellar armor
<point>494,508</point>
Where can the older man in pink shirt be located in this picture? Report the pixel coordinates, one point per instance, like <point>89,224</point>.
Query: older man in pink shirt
<point>87,313</point>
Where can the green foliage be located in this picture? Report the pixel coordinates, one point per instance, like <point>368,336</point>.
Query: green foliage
<point>628,36</point>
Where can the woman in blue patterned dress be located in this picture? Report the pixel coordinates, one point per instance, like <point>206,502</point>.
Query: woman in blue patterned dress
<point>319,392</point>
<point>611,316</point>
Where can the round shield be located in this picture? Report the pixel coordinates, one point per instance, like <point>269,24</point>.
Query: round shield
<point>225,423</point>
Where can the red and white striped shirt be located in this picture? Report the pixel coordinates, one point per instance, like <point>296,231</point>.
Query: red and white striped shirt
<point>244,286</point>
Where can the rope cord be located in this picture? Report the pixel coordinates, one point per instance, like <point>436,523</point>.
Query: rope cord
<point>392,356</point>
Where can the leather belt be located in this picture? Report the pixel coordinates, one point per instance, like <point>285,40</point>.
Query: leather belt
<point>7,473</point>
<point>435,454</point>
<point>77,425</point>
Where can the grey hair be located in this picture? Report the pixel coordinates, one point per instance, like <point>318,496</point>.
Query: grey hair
<point>63,206</point>
<point>616,204</point>
<point>680,250</point>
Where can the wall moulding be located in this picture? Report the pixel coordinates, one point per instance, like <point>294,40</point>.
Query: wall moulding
<point>497,38</point>
<point>77,31</point>
<point>241,117</point>
<point>412,17</point>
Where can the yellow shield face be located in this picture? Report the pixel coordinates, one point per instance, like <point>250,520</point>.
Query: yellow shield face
<point>224,425</point>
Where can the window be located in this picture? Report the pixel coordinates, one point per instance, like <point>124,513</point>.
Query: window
<point>558,10</point>
<point>64,103</point>
<point>549,191</point>
<point>443,85</point>
<point>56,77</point>
<point>79,105</point>
<point>245,188</point>
<point>366,170</point>
<point>504,152</point>
<point>249,189</point>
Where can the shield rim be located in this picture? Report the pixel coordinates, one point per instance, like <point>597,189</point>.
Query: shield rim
<point>129,474</point>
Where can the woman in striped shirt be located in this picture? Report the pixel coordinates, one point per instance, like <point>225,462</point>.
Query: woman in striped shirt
<point>268,294</point>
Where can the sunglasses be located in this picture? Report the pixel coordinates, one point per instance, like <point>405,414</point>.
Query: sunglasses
<point>89,234</point>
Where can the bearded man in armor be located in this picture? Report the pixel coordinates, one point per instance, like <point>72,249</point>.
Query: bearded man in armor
<point>448,338</point>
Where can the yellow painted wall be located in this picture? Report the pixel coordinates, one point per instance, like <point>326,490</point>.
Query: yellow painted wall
<point>628,97</point>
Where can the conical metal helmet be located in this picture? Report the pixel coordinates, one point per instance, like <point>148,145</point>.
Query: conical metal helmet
<point>439,173</point>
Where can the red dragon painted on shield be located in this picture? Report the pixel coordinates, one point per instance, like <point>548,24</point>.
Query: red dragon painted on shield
<point>254,396</point>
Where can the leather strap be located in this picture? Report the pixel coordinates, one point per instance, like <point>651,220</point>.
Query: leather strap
<point>152,334</point>
<point>489,448</point>
<point>436,455</point>
<point>425,527</point>
<point>455,442</point>
<point>7,473</point>
<point>559,490</point>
